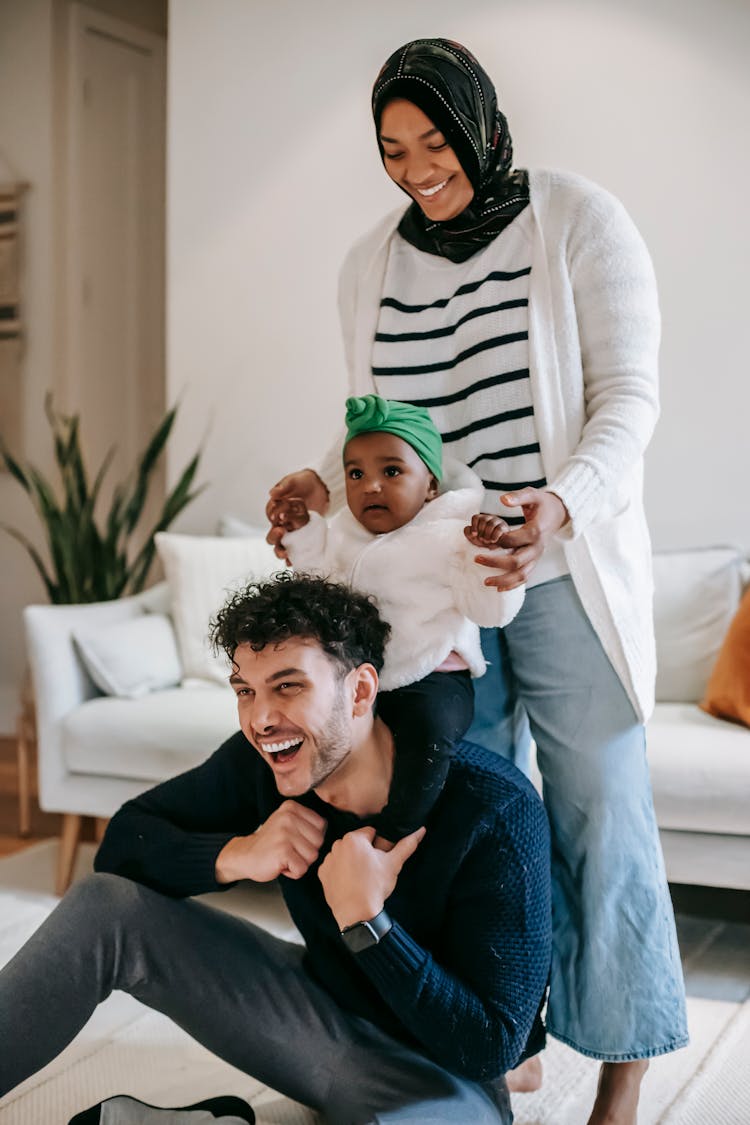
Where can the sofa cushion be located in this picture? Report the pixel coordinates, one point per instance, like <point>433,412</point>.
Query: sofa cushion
<point>696,594</point>
<point>130,658</point>
<point>201,571</point>
<point>235,528</point>
<point>728,692</point>
<point>700,770</point>
<point>151,738</point>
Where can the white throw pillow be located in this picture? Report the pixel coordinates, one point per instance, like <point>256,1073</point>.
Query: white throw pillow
<point>132,657</point>
<point>696,594</point>
<point>235,528</point>
<point>201,572</point>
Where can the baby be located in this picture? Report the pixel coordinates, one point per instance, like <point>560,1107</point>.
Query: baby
<point>403,539</point>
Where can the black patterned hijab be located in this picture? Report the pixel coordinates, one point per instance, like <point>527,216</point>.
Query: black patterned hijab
<point>447,83</point>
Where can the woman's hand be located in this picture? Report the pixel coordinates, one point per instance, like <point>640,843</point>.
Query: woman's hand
<point>545,514</point>
<point>290,514</point>
<point>304,485</point>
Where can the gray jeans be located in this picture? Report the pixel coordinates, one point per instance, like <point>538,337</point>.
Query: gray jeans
<point>236,989</point>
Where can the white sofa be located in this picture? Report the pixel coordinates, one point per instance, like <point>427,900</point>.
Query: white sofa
<point>96,751</point>
<point>700,765</point>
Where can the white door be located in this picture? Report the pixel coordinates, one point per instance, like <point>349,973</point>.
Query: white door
<point>114,364</point>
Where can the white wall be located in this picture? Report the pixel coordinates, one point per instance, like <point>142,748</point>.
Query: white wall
<point>33,38</point>
<point>26,116</point>
<point>273,170</point>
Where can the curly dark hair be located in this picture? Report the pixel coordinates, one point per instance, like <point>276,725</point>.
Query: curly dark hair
<point>346,624</point>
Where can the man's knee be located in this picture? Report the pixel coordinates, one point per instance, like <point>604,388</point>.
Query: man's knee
<point>102,897</point>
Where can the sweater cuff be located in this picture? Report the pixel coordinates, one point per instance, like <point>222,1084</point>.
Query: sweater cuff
<point>330,469</point>
<point>395,956</point>
<point>579,487</point>
<point>197,862</point>
<point>306,545</point>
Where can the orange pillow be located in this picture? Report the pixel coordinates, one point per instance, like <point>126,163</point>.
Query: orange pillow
<point>728,691</point>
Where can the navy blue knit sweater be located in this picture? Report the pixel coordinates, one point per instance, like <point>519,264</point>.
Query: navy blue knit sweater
<point>463,971</point>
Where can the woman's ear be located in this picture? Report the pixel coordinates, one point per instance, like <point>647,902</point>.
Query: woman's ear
<point>432,488</point>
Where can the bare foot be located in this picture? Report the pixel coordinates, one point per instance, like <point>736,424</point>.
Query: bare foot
<point>617,1093</point>
<point>526,1078</point>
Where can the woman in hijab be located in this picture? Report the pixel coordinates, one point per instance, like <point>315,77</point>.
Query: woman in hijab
<point>520,308</point>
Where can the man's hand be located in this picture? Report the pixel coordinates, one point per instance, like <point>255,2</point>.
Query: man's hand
<point>485,530</point>
<point>545,514</point>
<point>357,877</point>
<point>291,514</point>
<point>306,486</point>
<point>285,844</point>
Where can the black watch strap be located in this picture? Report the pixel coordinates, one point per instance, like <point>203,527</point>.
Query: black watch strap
<point>363,935</point>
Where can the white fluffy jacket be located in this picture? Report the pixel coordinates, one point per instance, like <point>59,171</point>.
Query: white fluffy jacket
<point>422,576</point>
<point>593,344</point>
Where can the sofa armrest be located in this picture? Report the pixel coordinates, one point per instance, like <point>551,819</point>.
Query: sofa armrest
<point>60,680</point>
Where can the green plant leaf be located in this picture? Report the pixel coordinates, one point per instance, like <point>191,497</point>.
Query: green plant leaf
<point>76,482</point>
<point>65,440</point>
<point>13,467</point>
<point>96,548</point>
<point>63,549</point>
<point>88,557</point>
<point>145,468</point>
<point>43,496</point>
<point>99,478</point>
<point>52,589</point>
<point>179,498</point>
<point>56,423</point>
<point>115,519</point>
<point>62,538</point>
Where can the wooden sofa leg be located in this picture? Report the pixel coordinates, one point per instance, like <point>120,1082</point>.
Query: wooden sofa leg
<point>23,753</point>
<point>67,851</point>
<point>100,827</point>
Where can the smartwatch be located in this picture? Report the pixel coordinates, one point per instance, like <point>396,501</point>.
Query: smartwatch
<point>363,935</point>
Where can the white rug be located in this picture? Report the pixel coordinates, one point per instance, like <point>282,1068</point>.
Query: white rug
<point>126,1048</point>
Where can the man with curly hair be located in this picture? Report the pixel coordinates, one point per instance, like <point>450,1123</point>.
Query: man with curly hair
<point>423,968</point>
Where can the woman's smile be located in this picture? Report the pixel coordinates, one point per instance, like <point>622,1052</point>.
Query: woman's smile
<point>427,192</point>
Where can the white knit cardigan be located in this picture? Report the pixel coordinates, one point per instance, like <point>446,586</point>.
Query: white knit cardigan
<point>593,342</point>
<point>422,575</point>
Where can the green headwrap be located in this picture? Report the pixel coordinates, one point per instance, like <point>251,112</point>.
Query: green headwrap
<point>371,414</point>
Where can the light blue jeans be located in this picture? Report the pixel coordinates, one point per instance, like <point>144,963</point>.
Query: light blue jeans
<point>616,990</point>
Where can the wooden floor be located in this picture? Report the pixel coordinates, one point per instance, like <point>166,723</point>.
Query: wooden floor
<point>43,825</point>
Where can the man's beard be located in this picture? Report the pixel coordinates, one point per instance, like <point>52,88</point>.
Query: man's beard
<point>333,743</point>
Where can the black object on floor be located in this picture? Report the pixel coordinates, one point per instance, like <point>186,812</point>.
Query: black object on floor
<point>219,1108</point>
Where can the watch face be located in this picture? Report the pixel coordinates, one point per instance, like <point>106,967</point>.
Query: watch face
<point>360,937</point>
<point>364,934</point>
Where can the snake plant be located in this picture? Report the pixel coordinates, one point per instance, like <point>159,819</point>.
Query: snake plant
<point>92,557</point>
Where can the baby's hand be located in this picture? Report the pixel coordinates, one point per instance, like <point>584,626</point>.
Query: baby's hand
<point>290,513</point>
<point>382,844</point>
<point>485,530</point>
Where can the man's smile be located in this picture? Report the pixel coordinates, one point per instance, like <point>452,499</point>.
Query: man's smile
<point>282,750</point>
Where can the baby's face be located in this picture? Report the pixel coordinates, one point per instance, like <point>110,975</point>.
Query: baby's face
<point>387,482</point>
